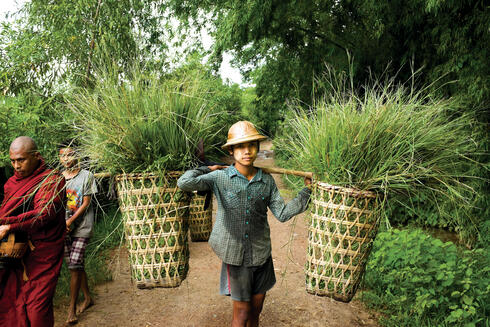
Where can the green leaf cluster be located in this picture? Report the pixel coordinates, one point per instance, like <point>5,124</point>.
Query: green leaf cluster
<point>288,42</point>
<point>36,116</point>
<point>51,44</point>
<point>417,280</point>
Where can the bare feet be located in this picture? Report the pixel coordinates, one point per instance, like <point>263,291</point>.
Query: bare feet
<point>72,320</point>
<point>85,305</point>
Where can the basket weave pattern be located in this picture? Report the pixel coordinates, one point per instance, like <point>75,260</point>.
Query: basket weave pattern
<point>200,220</point>
<point>155,213</point>
<point>343,225</point>
<point>12,249</point>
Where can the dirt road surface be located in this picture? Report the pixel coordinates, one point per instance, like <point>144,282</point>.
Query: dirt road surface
<point>197,301</point>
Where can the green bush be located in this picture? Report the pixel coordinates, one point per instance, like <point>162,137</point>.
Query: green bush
<point>417,280</point>
<point>35,116</point>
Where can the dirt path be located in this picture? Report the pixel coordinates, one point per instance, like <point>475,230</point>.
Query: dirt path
<point>197,301</point>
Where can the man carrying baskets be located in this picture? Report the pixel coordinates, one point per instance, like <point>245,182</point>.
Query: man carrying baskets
<point>33,206</point>
<point>241,234</point>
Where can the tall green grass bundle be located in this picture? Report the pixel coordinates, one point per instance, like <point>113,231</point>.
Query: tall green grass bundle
<point>148,124</point>
<point>391,140</point>
<point>144,123</point>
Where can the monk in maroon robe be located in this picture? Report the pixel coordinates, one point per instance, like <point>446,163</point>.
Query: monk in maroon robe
<point>32,205</point>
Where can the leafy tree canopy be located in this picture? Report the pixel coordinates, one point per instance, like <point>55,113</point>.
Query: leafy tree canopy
<point>52,43</point>
<point>292,41</point>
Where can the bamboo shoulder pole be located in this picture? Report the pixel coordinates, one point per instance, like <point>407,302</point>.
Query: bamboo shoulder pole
<point>274,170</point>
<point>269,170</point>
<point>102,175</point>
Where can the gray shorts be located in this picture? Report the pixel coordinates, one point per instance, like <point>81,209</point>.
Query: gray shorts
<point>242,282</point>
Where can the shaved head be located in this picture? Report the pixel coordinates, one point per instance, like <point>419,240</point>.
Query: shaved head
<point>24,143</point>
<point>24,156</point>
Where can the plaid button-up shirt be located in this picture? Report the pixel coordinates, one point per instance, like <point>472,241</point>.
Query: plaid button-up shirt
<point>241,233</point>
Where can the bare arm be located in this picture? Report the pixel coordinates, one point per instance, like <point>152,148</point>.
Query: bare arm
<point>4,229</point>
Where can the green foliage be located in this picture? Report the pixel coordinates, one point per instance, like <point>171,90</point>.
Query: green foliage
<point>269,104</point>
<point>144,123</point>
<point>416,280</point>
<point>35,116</point>
<point>226,98</point>
<point>409,146</point>
<point>265,118</point>
<point>248,99</point>
<point>481,204</point>
<point>107,235</point>
<point>388,138</point>
<point>55,43</point>
<point>421,211</point>
<point>288,42</point>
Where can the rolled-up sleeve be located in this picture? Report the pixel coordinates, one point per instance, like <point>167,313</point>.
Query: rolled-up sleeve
<point>283,212</point>
<point>198,179</point>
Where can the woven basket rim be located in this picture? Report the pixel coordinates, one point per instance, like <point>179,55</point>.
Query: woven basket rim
<point>145,175</point>
<point>348,190</point>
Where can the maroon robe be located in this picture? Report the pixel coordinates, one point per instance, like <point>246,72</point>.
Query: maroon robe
<point>33,205</point>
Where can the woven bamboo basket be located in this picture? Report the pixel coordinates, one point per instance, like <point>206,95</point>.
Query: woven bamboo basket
<point>155,214</point>
<point>12,247</point>
<point>343,225</point>
<point>200,220</point>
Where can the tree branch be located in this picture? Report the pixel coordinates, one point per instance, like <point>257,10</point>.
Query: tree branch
<point>321,36</point>
<point>92,42</point>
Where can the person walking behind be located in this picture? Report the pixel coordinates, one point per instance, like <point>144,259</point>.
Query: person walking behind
<point>80,187</point>
<point>241,234</point>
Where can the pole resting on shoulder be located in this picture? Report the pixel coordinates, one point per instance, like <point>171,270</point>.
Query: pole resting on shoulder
<point>274,170</point>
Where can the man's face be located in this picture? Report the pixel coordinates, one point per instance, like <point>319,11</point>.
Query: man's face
<point>245,153</point>
<point>23,161</point>
<point>67,157</point>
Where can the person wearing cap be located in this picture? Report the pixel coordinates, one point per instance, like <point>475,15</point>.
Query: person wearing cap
<point>241,233</point>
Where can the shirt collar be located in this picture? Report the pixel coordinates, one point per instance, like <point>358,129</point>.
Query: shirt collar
<point>232,171</point>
